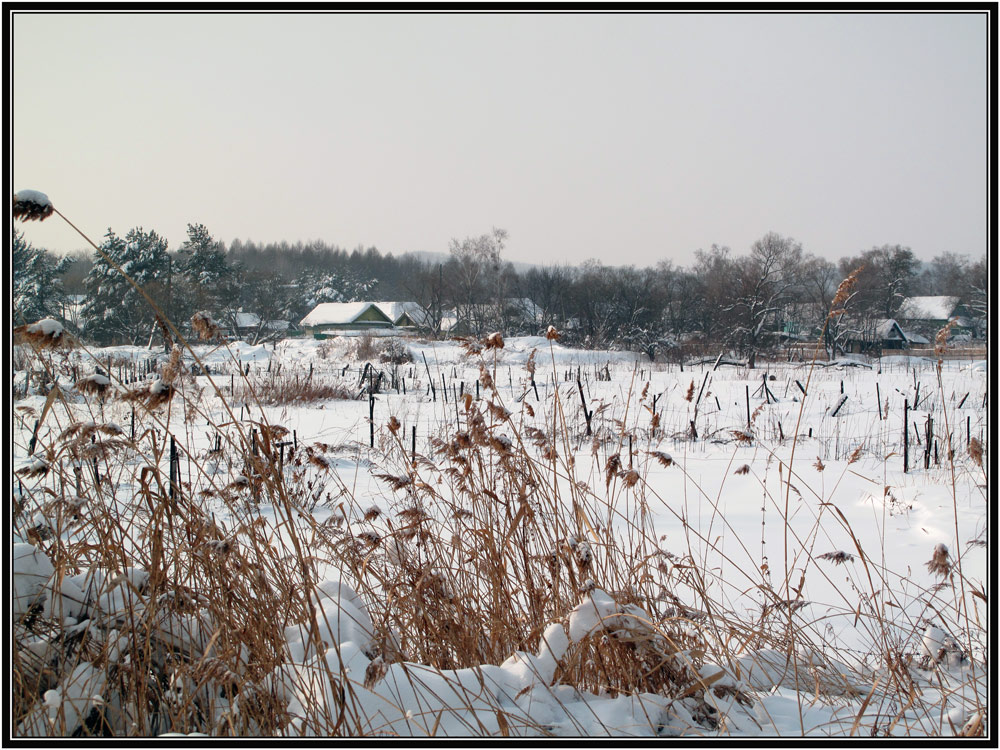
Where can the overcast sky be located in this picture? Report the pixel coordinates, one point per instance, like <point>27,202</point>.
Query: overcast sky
<point>626,138</point>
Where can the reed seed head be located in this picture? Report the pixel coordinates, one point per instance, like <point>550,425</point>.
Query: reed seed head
<point>173,367</point>
<point>940,562</point>
<point>43,334</point>
<point>493,341</point>
<point>941,339</point>
<point>976,451</point>
<point>837,558</point>
<point>31,205</point>
<point>95,384</point>
<point>204,326</point>
<point>664,459</point>
<point>844,291</point>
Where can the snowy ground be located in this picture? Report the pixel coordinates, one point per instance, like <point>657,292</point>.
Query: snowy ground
<point>754,506</point>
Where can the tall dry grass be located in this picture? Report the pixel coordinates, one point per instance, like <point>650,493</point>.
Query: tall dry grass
<point>167,575</point>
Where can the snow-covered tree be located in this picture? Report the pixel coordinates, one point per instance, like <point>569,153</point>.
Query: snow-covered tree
<point>314,287</point>
<point>205,271</point>
<point>37,292</point>
<point>114,309</point>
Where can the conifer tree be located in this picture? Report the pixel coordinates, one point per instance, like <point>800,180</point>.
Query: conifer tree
<point>37,292</point>
<point>115,311</point>
<point>206,274</point>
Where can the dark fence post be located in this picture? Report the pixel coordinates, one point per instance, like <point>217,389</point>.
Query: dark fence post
<point>34,438</point>
<point>583,400</point>
<point>928,439</point>
<point>173,475</point>
<point>906,435</point>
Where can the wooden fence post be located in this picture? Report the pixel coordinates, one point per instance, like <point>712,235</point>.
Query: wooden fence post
<point>906,435</point>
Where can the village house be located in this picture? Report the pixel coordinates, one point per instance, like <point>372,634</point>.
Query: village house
<point>336,317</point>
<point>925,316</point>
<point>523,310</point>
<point>410,316</point>
<point>876,336</point>
<point>249,325</point>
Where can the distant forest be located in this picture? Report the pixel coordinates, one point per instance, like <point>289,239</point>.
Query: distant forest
<point>750,301</point>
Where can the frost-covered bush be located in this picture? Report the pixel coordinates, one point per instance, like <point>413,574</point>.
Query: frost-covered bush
<point>327,348</point>
<point>394,351</point>
<point>364,348</point>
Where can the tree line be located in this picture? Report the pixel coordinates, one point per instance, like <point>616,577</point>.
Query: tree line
<point>751,302</point>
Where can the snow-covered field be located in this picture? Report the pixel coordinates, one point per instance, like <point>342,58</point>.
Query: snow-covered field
<point>622,548</point>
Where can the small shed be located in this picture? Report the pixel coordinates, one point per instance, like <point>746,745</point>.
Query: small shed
<point>875,336</point>
<point>244,322</point>
<point>344,316</point>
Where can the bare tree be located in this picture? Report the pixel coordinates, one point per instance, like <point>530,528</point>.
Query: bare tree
<point>476,272</point>
<point>763,284</point>
<point>710,291</point>
<point>549,289</point>
<point>946,274</point>
<point>888,277</point>
<point>979,293</point>
<point>426,287</point>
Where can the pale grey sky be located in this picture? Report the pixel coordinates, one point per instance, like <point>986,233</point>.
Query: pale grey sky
<point>626,138</point>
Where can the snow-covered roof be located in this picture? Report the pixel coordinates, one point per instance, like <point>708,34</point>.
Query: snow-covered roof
<point>915,338</point>
<point>887,328</point>
<point>337,313</point>
<point>395,310</point>
<point>928,308</point>
<point>524,305</point>
<point>247,320</point>
<point>883,329</point>
<point>252,320</point>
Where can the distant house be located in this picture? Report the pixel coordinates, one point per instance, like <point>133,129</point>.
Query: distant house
<point>344,316</point>
<point>409,315</point>
<point>927,315</point>
<point>799,321</point>
<point>523,309</point>
<point>915,339</point>
<point>876,336</point>
<point>246,324</point>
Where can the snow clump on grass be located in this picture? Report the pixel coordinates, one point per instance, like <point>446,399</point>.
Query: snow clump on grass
<point>44,334</point>
<point>32,205</point>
